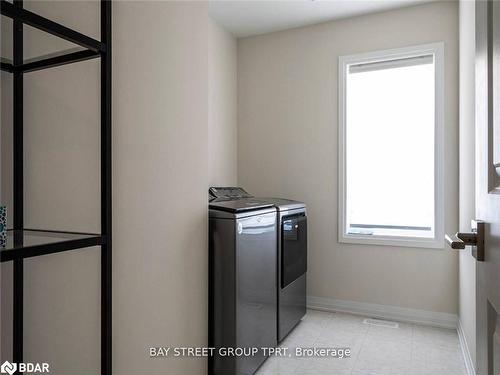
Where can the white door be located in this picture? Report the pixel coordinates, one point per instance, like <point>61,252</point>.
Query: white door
<point>488,184</point>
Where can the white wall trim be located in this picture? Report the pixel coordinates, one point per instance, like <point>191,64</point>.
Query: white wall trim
<point>401,314</point>
<point>469,364</point>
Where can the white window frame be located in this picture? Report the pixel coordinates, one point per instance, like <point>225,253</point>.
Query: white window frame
<point>437,50</point>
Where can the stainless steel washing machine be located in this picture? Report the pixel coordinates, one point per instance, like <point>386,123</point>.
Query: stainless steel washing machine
<point>242,280</point>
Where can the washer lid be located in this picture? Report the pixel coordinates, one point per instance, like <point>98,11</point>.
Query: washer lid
<point>239,205</point>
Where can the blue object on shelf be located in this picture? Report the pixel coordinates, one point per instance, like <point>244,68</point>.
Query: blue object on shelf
<point>3,226</point>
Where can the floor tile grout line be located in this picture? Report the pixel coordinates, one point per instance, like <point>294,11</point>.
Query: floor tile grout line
<point>412,343</point>
<point>330,316</point>
<point>360,349</point>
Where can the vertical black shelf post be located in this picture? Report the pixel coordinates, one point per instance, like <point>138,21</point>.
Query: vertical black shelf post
<point>18,177</point>
<point>106,254</point>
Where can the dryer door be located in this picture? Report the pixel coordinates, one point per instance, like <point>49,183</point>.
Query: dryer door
<point>293,248</point>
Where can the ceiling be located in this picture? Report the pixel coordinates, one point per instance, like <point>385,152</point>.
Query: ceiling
<point>245,18</point>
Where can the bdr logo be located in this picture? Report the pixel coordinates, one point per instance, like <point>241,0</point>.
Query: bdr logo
<point>10,368</point>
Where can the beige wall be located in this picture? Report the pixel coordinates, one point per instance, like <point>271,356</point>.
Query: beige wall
<point>160,179</point>
<point>467,264</point>
<point>287,146</point>
<point>222,95</point>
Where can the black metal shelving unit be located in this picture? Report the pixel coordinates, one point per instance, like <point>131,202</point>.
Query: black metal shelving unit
<point>25,243</point>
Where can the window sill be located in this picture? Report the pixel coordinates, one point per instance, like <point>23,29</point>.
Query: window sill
<point>429,243</point>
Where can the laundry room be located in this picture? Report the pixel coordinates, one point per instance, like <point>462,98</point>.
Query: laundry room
<point>249,187</point>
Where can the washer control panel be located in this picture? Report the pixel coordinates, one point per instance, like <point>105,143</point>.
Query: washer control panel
<point>228,193</point>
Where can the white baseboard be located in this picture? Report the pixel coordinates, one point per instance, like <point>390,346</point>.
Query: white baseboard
<point>401,314</point>
<point>469,365</point>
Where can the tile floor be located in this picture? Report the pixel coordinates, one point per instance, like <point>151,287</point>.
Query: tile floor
<point>376,350</point>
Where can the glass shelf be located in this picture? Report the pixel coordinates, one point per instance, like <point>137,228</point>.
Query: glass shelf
<point>33,242</point>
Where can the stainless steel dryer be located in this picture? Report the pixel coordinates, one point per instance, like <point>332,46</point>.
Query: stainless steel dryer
<point>242,279</point>
<point>292,263</point>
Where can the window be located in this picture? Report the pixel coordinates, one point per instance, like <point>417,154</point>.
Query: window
<point>391,145</point>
